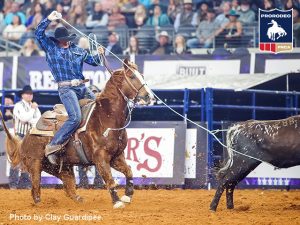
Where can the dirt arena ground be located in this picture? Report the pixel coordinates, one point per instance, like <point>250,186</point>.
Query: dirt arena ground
<point>184,207</point>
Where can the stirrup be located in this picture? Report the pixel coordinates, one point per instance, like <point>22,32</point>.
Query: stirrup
<point>52,158</point>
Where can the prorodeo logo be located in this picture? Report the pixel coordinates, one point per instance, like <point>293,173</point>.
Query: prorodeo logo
<point>276,30</point>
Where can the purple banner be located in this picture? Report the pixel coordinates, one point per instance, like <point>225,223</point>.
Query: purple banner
<point>6,66</point>
<point>35,71</point>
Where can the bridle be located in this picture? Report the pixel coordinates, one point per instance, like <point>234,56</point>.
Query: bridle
<point>130,84</point>
<point>130,103</point>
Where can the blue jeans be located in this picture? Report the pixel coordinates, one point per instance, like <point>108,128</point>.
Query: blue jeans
<point>195,43</point>
<point>70,97</point>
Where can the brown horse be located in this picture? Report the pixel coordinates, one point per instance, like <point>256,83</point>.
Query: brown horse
<point>103,151</point>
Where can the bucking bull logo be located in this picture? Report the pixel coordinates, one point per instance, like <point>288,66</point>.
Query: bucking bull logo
<point>276,30</point>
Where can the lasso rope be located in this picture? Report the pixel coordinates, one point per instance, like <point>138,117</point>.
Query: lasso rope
<point>95,43</point>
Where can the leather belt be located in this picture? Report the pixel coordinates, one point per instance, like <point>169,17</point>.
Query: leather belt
<point>72,83</point>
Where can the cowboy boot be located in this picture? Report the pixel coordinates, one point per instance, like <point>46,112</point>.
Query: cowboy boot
<point>50,151</point>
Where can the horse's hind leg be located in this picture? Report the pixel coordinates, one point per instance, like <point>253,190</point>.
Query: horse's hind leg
<point>68,178</point>
<point>35,173</point>
<point>102,162</point>
<point>120,165</point>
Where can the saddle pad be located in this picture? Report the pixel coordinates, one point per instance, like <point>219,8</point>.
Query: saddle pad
<point>46,127</point>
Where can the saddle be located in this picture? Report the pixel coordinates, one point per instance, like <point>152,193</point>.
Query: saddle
<point>51,121</point>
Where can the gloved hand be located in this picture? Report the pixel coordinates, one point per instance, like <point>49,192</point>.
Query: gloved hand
<point>100,50</point>
<point>54,16</point>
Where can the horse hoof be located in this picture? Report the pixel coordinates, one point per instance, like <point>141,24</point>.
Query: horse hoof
<point>126,199</point>
<point>37,200</point>
<point>78,199</point>
<point>119,205</point>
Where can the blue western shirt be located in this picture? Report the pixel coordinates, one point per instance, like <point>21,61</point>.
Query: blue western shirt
<point>65,63</point>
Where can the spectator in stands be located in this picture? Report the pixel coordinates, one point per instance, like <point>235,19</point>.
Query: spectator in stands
<point>26,114</point>
<point>155,3</point>
<point>108,5</point>
<point>98,17</point>
<point>140,16</point>
<point>116,18</point>
<point>231,33</point>
<point>66,5</point>
<point>130,7</point>
<point>30,48</point>
<point>235,5</point>
<point>205,32</point>
<point>268,5</point>
<point>163,47</point>
<point>2,23</point>
<point>15,10</point>
<point>247,16</point>
<point>146,3</point>
<point>7,6</point>
<point>180,47</point>
<point>78,16</point>
<point>36,16</point>
<point>60,9</point>
<point>8,101</point>
<point>84,3</point>
<point>296,4</point>
<point>288,4</point>
<point>49,7</point>
<point>221,19</point>
<point>187,17</point>
<point>133,48</point>
<point>202,10</point>
<point>158,18</point>
<point>173,9</point>
<point>14,31</point>
<point>113,45</point>
<point>296,27</point>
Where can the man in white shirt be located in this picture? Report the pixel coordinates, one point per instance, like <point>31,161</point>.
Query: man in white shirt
<point>25,114</point>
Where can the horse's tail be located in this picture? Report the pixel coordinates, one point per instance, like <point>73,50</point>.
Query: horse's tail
<point>13,146</point>
<point>231,133</point>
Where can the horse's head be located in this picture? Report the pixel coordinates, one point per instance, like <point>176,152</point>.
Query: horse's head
<point>134,85</point>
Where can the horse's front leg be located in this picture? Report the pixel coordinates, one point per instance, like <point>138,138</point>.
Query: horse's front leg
<point>102,162</point>
<point>119,164</point>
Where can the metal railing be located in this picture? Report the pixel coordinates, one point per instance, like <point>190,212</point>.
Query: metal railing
<point>206,104</point>
<point>147,36</point>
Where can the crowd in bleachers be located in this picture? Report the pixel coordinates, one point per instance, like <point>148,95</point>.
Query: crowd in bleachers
<point>144,26</point>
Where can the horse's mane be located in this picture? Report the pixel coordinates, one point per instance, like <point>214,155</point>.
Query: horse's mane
<point>115,83</point>
<point>112,85</point>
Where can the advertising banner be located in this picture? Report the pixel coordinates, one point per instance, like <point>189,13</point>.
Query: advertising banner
<point>280,63</point>
<point>7,69</point>
<point>196,157</point>
<point>167,72</point>
<point>35,71</point>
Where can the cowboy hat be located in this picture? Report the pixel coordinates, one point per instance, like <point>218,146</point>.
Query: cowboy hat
<point>232,13</point>
<point>26,89</point>
<point>62,34</point>
<point>164,33</point>
<point>187,2</point>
